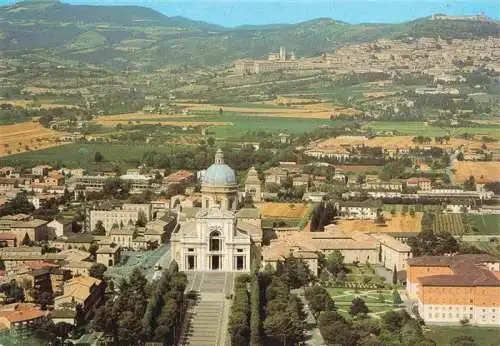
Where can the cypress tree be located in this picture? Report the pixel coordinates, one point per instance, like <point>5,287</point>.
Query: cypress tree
<point>394,276</point>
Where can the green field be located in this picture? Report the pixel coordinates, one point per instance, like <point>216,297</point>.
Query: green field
<point>418,128</point>
<point>248,122</point>
<point>483,336</point>
<point>82,155</point>
<point>485,224</point>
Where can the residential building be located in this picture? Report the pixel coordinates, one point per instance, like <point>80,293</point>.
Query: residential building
<point>107,255</point>
<point>19,319</point>
<point>275,175</point>
<point>59,227</point>
<point>354,210</point>
<point>182,177</point>
<point>128,214</point>
<point>35,229</point>
<point>86,291</point>
<point>41,170</point>
<point>8,239</point>
<point>420,183</point>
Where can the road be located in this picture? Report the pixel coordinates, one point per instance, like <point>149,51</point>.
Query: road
<point>144,260</point>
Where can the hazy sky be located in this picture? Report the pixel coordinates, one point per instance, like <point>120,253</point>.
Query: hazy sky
<point>239,12</point>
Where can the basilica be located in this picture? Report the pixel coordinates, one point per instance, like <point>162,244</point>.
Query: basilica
<point>219,236</point>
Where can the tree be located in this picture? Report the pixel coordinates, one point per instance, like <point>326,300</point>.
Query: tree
<point>99,228</point>
<point>460,156</point>
<point>141,219</point>
<point>97,270</point>
<point>255,325</point>
<point>380,220</point>
<point>393,211</point>
<point>396,298</point>
<point>17,205</point>
<point>44,298</point>
<point>411,333</point>
<point>211,141</point>
<point>62,330</point>
<point>98,157</point>
<point>26,240</point>
<point>395,276</point>
<point>358,307</point>
<point>319,300</point>
<point>294,271</point>
<point>404,210</point>
<point>335,262</point>
<point>470,184</point>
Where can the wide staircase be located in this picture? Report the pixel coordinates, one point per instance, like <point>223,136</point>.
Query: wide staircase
<point>208,315</point>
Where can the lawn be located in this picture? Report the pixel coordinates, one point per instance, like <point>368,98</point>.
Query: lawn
<point>482,335</point>
<point>485,224</point>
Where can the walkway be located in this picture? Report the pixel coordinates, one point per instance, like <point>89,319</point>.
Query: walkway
<point>313,335</point>
<point>208,316</point>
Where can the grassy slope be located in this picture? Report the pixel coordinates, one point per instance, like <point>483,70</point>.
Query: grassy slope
<point>483,336</point>
<point>178,40</point>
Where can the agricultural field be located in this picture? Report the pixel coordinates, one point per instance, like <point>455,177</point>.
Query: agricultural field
<point>222,126</point>
<point>488,170</point>
<point>393,142</point>
<point>82,155</point>
<point>283,210</point>
<point>415,128</point>
<point>155,120</point>
<point>36,104</point>
<point>27,136</point>
<point>452,223</point>
<point>321,110</point>
<point>483,336</point>
<point>396,223</point>
<point>485,224</point>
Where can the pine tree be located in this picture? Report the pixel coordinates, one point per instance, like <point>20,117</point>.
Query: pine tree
<point>394,276</point>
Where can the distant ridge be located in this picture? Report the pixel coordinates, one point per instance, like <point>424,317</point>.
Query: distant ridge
<point>119,36</point>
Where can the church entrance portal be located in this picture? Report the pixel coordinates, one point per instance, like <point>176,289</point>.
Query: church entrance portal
<point>216,262</point>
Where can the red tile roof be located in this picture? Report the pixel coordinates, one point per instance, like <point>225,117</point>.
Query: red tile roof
<point>22,312</point>
<point>468,270</point>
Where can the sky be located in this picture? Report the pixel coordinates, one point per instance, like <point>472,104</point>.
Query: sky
<point>241,12</point>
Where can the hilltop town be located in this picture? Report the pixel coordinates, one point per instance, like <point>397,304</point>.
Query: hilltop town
<point>274,196</point>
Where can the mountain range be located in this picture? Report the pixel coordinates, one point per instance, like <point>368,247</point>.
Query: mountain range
<point>134,36</point>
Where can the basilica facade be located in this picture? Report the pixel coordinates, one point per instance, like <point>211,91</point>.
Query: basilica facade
<point>218,236</point>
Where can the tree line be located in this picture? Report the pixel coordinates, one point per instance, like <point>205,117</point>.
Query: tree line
<point>143,312</point>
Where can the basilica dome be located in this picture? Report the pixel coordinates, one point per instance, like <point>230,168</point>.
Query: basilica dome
<point>219,173</point>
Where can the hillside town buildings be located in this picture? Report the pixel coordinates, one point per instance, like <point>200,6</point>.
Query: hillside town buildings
<point>430,56</point>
